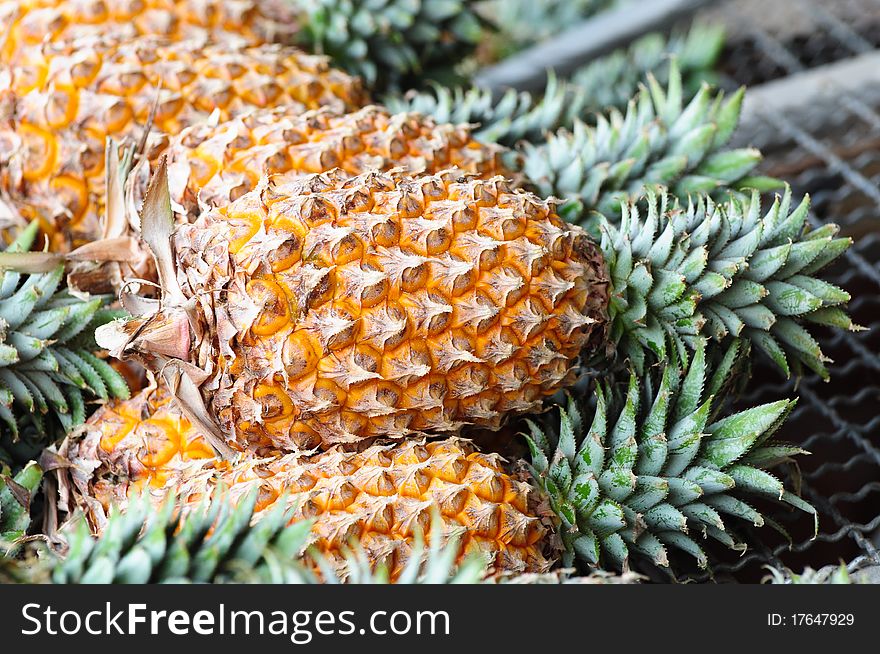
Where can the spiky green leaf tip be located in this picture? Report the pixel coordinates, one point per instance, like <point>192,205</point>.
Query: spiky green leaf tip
<point>657,470</point>
<point>211,543</point>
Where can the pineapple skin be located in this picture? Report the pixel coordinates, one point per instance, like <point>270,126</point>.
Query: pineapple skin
<point>58,108</point>
<point>31,22</point>
<point>335,309</point>
<point>214,164</point>
<point>379,497</point>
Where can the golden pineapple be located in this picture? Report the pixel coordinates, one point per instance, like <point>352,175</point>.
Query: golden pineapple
<point>330,309</point>
<point>29,23</point>
<point>59,108</point>
<point>212,164</point>
<point>379,497</point>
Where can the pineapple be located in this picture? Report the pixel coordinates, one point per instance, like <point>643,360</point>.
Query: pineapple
<point>391,42</point>
<point>380,305</point>
<point>59,108</point>
<point>213,164</point>
<point>656,471</point>
<point>330,309</point>
<point>381,496</point>
<point>32,22</point>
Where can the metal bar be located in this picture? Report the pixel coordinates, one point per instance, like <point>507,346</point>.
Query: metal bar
<point>527,70</point>
<point>824,84</point>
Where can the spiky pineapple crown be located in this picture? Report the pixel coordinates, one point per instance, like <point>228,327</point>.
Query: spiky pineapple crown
<point>611,81</point>
<point>515,116</point>
<point>658,139</point>
<point>212,543</point>
<point>219,541</point>
<point>391,42</point>
<point>721,271</point>
<point>608,82</point>
<point>655,470</point>
<point>48,366</point>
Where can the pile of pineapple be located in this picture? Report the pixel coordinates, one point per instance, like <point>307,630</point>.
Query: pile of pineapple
<point>270,284</point>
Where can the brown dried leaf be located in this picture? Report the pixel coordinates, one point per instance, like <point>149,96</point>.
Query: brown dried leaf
<point>30,262</point>
<point>157,225</point>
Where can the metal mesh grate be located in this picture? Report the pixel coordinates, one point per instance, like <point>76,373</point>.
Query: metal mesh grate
<point>830,150</point>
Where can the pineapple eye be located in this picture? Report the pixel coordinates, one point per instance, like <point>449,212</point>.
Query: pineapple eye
<point>114,430</point>
<point>28,78</point>
<point>83,73</point>
<point>169,109</point>
<point>464,218</point>
<point>483,195</point>
<point>241,227</point>
<point>198,449</point>
<point>286,254</point>
<point>242,142</point>
<point>316,211</point>
<point>203,166</point>
<point>386,233</point>
<point>327,391</point>
<point>409,205</point>
<point>352,144</point>
<point>433,190</point>
<point>490,257</point>
<point>159,443</point>
<point>41,152</point>
<point>73,194</point>
<point>274,402</point>
<point>414,278</point>
<point>305,438</point>
<point>273,306</point>
<point>126,83</point>
<point>299,354</point>
<point>513,228</point>
<point>358,201</point>
<point>438,241</point>
<point>278,163</point>
<point>381,521</point>
<point>266,496</point>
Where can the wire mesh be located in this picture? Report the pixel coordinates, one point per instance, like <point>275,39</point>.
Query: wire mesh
<point>831,151</point>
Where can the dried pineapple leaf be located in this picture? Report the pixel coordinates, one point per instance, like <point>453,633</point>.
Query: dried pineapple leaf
<point>121,248</point>
<point>157,225</point>
<point>185,390</point>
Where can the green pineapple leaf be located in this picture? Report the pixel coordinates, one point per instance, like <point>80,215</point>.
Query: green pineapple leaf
<point>48,367</point>
<point>671,478</point>
<point>721,271</point>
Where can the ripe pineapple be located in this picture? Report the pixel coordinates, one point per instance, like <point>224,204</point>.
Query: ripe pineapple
<point>331,309</point>
<point>29,23</point>
<point>213,164</point>
<point>60,107</point>
<point>390,42</point>
<point>381,496</point>
<point>382,305</point>
<point>657,471</point>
